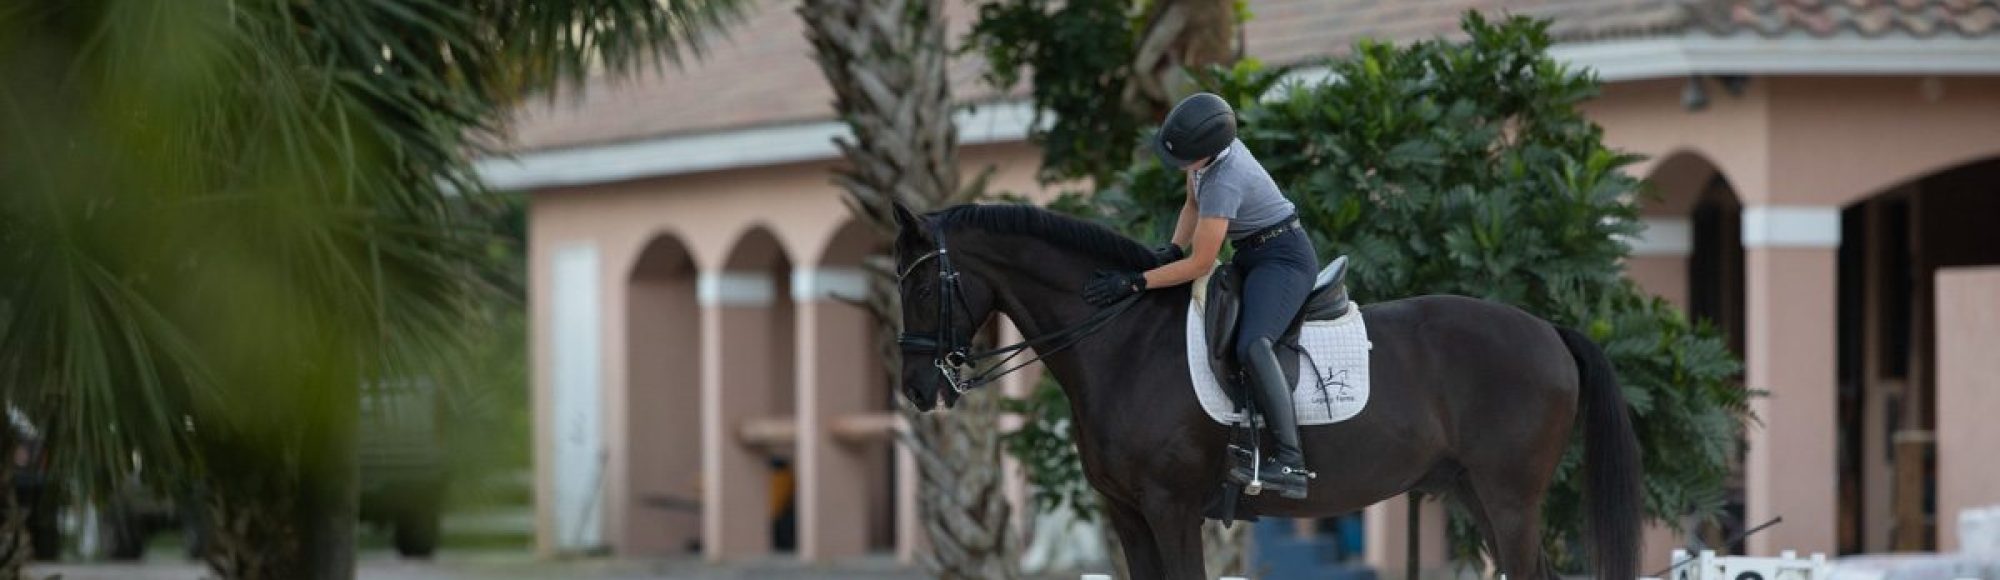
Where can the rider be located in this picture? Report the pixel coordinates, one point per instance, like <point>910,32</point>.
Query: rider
<point>1230,195</point>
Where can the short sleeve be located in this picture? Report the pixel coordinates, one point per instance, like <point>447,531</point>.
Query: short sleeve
<point>1218,198</point>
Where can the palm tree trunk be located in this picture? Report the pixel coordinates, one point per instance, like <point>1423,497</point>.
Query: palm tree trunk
<point>886,62</point>
<point>328,545</point>
<point>1179,34</point>
<point>15,547</point>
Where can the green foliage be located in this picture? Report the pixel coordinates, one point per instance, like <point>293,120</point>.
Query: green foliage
<point>1047,456</point>
<point>224,217</point>
<point>1466,168</point>
<point>1079,53</point>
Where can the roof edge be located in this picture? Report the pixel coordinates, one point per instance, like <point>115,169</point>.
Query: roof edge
<point>1620,60</point>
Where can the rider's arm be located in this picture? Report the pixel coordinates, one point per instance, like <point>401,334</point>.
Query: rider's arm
<point>1184,226</point>
<point>1208,236</point>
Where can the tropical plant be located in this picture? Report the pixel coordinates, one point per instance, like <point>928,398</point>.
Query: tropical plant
<point>885,60</point>
<point>1467,168</point>
<point>1079,52</point>
<point>223,217</point>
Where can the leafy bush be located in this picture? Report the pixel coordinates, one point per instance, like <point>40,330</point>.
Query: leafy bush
<point>1466,168</point>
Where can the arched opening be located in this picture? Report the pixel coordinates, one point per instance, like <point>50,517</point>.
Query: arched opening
<point>1893,245</point>
<point>658,511</point>
<point>750,486</point>
<point>854,476</point>
<point>1692,254</point>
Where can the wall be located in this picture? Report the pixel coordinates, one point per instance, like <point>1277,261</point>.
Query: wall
<point>1968,394</point>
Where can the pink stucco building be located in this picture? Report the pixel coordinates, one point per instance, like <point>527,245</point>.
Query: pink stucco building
<point>1827,180</point>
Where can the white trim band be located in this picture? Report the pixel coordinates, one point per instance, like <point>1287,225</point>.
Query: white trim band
<point>735,289</point>
<point>678,154</point>
<point>838,283</point>
<point>1700,53</point>
<point>1663,236</point>
<point>1791,226</point>
<point>1616,60</point>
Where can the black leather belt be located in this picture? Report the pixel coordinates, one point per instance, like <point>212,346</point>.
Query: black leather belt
<point>1264,236</point>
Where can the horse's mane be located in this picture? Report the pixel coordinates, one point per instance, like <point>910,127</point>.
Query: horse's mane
<point>1065,232</point>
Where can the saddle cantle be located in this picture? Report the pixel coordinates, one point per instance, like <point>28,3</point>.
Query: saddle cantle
<point>1222,310</point>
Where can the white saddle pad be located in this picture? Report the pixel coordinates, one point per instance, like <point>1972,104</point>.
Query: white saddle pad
<point>1333,370</point>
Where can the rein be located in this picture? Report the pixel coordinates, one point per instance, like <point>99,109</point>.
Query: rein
<point>949,353</point>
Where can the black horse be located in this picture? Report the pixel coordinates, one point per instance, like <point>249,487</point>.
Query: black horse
<point>1471,399</point>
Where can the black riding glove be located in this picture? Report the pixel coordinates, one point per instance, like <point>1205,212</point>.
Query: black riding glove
<point>1167,254</point>
<point>1109,287</point>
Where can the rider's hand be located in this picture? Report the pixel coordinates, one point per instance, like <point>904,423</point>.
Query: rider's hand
<point>1109,287</point>
<point>1168,254</point>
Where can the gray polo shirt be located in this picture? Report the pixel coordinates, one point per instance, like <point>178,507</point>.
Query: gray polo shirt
<point>1235,186</point>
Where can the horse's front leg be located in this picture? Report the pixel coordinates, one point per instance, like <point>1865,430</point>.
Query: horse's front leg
<point>1176,525</point>
<point>1135,538</point>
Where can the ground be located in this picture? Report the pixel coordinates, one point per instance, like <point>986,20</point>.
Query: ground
<point>511,565</point>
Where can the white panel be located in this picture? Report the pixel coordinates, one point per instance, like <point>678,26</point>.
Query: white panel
<point>1791,226</point>
<point>576,399</point>
<point>735,289</point>
<point>840,283</point>
<point>1663,237</point>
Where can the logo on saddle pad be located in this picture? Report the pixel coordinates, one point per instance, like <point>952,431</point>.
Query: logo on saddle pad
<point>1333,371</point>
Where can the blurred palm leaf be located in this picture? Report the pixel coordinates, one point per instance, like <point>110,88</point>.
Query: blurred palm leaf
<point>221,216</point>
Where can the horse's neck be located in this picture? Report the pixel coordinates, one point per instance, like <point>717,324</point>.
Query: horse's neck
<point>1038,300</point>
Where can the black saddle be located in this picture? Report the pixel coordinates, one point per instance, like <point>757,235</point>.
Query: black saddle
<point>1224,308</point>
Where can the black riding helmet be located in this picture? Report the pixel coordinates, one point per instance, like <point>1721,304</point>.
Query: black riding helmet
<point>1200,127</point>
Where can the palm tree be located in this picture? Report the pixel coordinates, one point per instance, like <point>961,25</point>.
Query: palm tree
<point>223,216</point>
<point>1177,36</point>
<point>886,62</point>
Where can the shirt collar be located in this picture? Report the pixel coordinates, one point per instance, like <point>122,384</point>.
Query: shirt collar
<point>1198,173</point>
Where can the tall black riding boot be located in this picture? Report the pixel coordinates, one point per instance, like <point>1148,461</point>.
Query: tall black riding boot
<point>1285,469</point>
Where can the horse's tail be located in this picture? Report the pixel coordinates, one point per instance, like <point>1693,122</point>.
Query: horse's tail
<point>1610,461</point>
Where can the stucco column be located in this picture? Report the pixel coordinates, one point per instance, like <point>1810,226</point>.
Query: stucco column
<point>1385,533</point>
<point>835,355</point>
<point>736,478</point>
<point>1790,297</point>
<point>1968,390</point>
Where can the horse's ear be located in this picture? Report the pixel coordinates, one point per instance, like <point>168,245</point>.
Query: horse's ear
<point>906,221</point>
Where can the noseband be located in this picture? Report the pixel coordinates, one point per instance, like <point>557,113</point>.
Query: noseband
<point>949,353</point>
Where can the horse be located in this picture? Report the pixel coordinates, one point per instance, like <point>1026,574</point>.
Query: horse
<point>1471,399</point>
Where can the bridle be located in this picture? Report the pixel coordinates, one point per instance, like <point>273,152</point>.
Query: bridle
<point>949,352</point>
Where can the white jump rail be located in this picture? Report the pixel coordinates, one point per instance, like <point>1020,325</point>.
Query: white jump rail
<point>1787,566</point>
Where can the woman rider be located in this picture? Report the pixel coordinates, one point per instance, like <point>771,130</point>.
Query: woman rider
<point>1231,196</point>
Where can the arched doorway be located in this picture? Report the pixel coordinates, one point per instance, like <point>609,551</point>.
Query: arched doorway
<point>657,505</point>
<point>1893,244</point>
<point>1692,254</point>
<point>749,485</point>
<point>847,451</point>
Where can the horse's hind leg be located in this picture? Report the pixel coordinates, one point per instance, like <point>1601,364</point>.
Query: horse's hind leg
<point>1135,538</point>
<point>1511,506</point>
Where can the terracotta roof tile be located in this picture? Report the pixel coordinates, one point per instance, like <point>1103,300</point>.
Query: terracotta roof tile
<point>1868,18</point>
<point>762,72</point>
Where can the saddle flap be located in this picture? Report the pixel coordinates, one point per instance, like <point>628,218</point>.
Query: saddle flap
<point>1221,310</point>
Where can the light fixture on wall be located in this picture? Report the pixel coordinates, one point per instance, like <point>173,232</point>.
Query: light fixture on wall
<point>1694,94</point>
